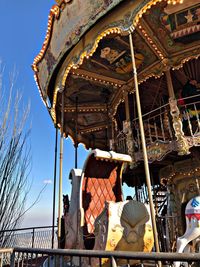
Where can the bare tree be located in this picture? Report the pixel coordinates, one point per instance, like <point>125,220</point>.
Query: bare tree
<point>14,157</point>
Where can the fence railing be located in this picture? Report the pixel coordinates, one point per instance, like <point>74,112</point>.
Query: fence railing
<point>190,114</point>
<point>121,143</point>
<point>167,227</point>
<point>35,237</point>
<point>58,257</point>
<point>158,126</point>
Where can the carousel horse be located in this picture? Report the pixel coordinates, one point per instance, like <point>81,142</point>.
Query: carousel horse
<point>98,218</point>
<point>192,233</point>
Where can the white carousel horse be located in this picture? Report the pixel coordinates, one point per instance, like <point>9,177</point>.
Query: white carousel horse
<point>192,233</point>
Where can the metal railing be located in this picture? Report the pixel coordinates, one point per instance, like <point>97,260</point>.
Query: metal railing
<point>121,143</point>
<point>58,257</point>
<point>34,237</point>
<point>5,255</point>
<point>167,227</point>
<point>190,114</point>
<point>157,126</point>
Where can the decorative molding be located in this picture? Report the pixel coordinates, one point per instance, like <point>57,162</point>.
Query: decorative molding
<point>86,108</point>
<point>179,171</point>
<point>157,151</point>
<point>87,54</point>
<point>91,76</point>
<point>193,140</point>
<point>182,143</point>
<point>129,142</point>
<point>151,43</point>
<point>186,31</point>
<point>61,2</point>
<point>54,14</point>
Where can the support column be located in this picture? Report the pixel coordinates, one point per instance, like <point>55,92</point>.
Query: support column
<point>127,106</point>
<point>107,145</point>
<point>60,203</point>
<point>127,129</point>
<point>146,164</point>
<point>112,141</point>
<point>76,135</point>
<point>182,143</point>
<point>54,188</point>
<point>169,84</point>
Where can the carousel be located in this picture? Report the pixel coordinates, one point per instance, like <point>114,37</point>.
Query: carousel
<point>122,77</point>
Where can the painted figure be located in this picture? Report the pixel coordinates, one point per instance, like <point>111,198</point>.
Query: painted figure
<point>192,233</point>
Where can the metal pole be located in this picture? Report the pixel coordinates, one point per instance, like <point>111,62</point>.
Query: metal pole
<point>76,135</point>
<point>107,145</point>
<point>146,164</point>
<point>169,84</point>
<point>60,174</point>
<point>33,237</point>
<point>127,111</point>
<point>54,188</point>
<point>113,135</point>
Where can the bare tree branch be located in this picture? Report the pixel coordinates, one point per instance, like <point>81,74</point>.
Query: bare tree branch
<point>14,157</point>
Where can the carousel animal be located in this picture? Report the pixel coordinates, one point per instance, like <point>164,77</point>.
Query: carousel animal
<point>127,228</point>
<point>98,218</point>
<point>192,233</point>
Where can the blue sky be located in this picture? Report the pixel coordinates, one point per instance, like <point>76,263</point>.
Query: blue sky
<point>23,26</point>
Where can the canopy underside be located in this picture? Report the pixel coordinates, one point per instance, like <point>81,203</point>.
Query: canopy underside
<point>97,73</point>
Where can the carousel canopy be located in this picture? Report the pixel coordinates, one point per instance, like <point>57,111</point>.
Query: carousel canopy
<point>86,57</point>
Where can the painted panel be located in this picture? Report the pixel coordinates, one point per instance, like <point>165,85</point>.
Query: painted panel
<point>75,19</point>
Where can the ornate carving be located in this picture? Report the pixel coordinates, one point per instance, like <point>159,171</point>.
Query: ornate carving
<point>129,141</point>
<point>182,143</point>
<point>129,228</point>
<point>156,151</point>
<point>179,171</point>
<point>193,140</point>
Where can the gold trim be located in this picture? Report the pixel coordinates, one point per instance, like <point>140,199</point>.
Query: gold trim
<point>184,61</point>
<point>54,13</point>
<point>151,42</point>
<point>168,179</point>
<point>174,2</point>
<point>76,66</point>
<point>60,2</point>
<point>86,54</point>
<point>121,100</point>
<point>95,77</point>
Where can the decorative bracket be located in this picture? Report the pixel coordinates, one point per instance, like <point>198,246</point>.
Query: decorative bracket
<point>129,141</point>
<point>182,143</point>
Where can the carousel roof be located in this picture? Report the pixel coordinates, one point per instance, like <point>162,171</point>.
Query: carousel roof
<point>86,55</point>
